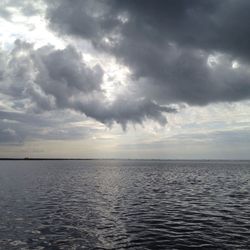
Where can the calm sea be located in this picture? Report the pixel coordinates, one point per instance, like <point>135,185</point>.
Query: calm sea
<point>111,204</point>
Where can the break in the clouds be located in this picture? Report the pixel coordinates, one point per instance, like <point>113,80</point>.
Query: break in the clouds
<point>120,61</point>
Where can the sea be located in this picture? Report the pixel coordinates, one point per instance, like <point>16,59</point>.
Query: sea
<point>124,204</point>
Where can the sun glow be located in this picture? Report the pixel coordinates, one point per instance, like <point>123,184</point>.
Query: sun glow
<point>115,80</point>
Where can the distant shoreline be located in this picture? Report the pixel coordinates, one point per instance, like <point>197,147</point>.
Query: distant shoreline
<point>112,159</point>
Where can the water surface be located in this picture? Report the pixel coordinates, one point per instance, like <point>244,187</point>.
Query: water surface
<point>104,204</point>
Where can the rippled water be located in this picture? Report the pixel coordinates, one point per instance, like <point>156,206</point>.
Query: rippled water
<point>124,204</point>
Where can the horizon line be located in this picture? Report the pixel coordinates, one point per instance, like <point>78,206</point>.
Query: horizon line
<point>131,159</point>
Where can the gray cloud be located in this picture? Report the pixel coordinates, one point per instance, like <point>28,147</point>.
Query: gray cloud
<point>17,127</point>
<point>124,110</point>
<point>27,7</point>
<point>177,52</point>
<point>167,44</point>
<point>46,79</point>
<point>63,74</point>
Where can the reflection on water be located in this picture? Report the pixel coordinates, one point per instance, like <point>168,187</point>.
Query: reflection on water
<point>124,204</point>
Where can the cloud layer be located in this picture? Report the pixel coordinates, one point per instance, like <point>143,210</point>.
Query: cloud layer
<point>48,79</point>
<point>192,52</point>
<point>178,51</point>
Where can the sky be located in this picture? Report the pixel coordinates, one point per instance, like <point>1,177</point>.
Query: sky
<point>147,79</point>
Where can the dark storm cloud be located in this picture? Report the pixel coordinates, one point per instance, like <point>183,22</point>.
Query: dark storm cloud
<point>168,44</point>
<point>48,79</point>
<point>63,74</point>
<point>124,110</point>
<point>181,51</point>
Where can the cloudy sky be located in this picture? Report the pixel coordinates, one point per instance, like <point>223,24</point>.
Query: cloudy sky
<point>125,79</point>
